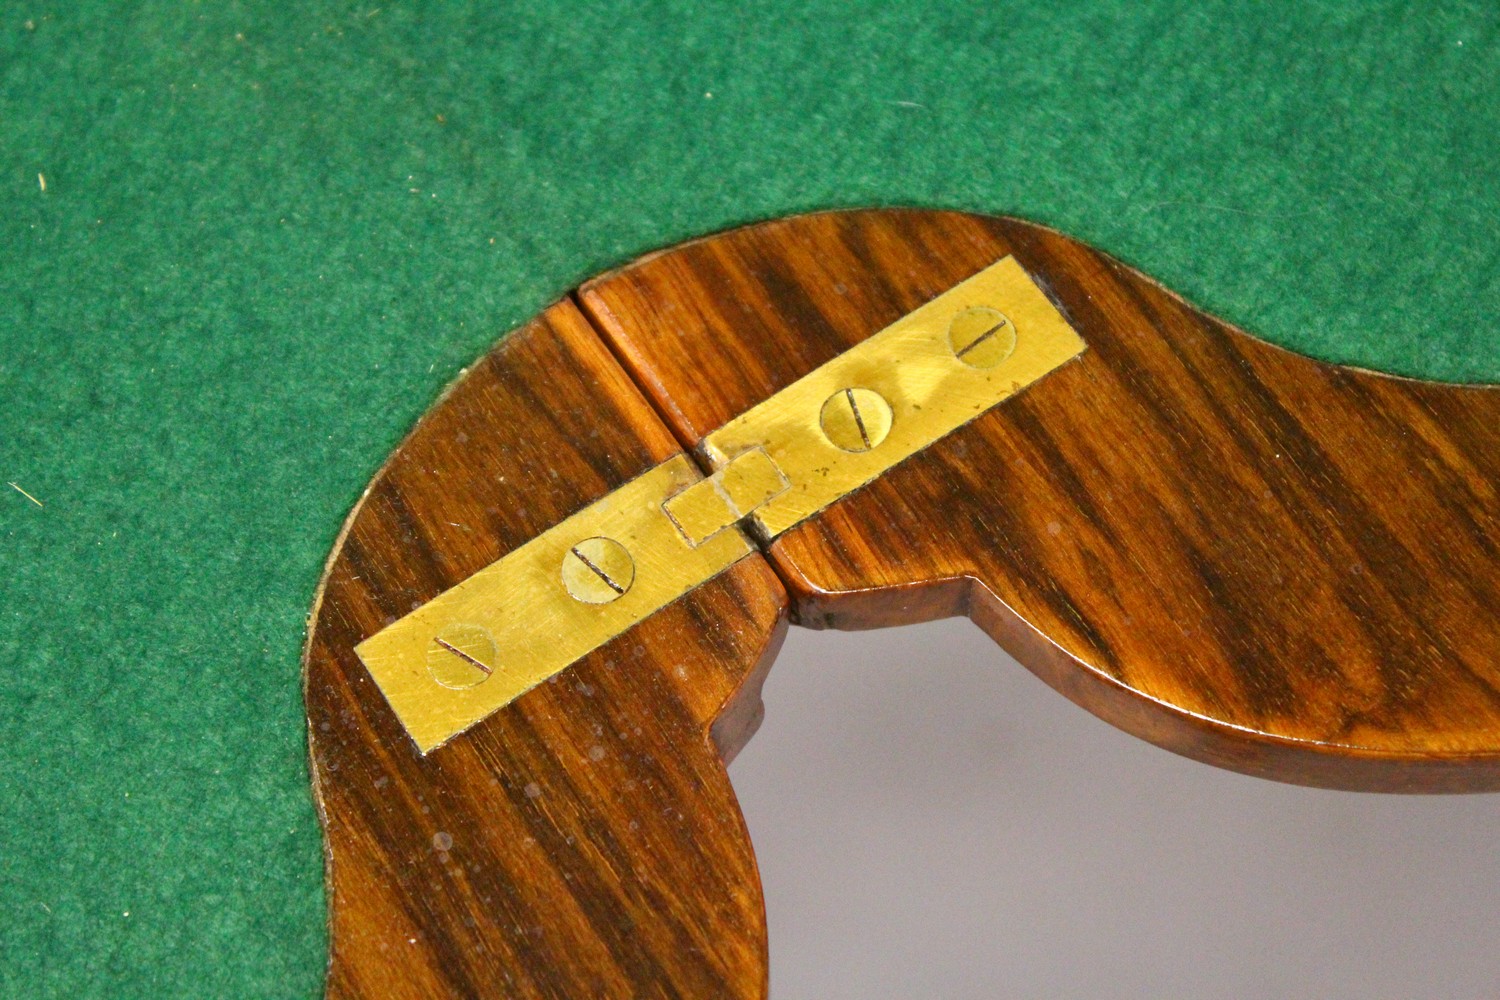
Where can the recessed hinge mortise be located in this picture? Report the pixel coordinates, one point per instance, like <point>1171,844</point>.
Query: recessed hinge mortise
<point>548,603</point>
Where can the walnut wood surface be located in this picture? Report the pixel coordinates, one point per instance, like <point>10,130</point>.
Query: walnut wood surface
<point>583,841</point>
<point>1276,565</point>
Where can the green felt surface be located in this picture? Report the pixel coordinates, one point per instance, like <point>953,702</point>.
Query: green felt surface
<point>271,232</point>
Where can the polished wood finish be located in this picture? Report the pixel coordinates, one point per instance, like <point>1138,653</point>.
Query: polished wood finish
<point>1279,566</point>
<point>1276,565</point>
<point>584,840</point>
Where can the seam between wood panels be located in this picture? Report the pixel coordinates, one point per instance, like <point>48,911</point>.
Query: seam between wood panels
<point>751,531</point>
<point>596,324</point>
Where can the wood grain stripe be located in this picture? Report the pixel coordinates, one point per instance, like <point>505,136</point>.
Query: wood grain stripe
<point>583,841</point>
<point>1272,564</point>
<point>1244,555</point>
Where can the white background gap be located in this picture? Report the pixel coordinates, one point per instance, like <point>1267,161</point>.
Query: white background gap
<point>934,823</point>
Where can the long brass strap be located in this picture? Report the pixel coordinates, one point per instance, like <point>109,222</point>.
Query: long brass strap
<point>543,606</point>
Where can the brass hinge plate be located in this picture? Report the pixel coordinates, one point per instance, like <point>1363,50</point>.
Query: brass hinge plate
<point>900,390</point>
<point>542,607</point>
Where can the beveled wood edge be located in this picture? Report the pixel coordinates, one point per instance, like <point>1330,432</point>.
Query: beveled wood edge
<point>740,716</point>
<point>1310,763</point>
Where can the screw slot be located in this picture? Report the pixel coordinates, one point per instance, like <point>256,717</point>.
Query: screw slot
<point>461,656</point>
<point>598,570</point>
<point>856,419</point>
<point>982,337</point>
